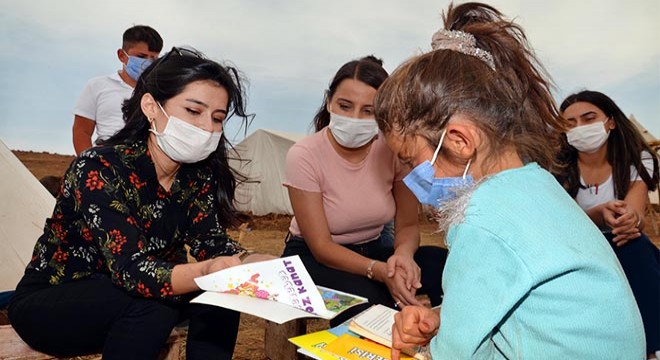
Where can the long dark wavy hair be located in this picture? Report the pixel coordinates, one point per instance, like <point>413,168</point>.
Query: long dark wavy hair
<point>368,70</point>
<point>512,105</point>
<point>168,77</point>
<point>624,148</point>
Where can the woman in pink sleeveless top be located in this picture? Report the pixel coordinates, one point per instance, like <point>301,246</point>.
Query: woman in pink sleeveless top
<point>345,185</point>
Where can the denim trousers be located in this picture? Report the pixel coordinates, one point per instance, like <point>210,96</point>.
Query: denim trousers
<point>640,260</point>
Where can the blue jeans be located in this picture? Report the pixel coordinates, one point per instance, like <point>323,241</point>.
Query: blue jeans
<point>640,260</point>
<point>387,234</point>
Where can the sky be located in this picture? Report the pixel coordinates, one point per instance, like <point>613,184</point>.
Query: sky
<point>289,51</point>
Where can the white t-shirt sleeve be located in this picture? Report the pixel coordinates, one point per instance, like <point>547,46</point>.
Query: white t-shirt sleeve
<point>86,105</point>
<point>647,161</point>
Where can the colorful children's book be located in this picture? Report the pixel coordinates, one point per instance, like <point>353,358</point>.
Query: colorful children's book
<point>354,348</point>
<point>278,290</point>
<point>375,324</point>
<point>313,344</point>
<point>339,343</point>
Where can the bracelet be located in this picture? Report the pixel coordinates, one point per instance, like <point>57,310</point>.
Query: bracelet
<point>639,220</point>
<point>370,269</point>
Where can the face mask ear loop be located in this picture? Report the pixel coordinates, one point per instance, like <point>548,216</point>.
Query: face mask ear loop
<point>466,168</point>
<point>437,150</point>
<point>127,56</point>
<point>161,109</point>
<point>152,121</point>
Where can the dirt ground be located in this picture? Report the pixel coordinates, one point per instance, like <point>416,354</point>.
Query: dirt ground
<point>43,164</point>
<point>266,234</point>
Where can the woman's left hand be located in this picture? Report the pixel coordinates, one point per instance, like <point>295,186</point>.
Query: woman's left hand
<point>403,279</point>
<point>408,268</point>
<point>626,226</point>
<point>397,287</point>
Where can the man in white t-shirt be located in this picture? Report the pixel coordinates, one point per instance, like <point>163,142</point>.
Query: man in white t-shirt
<point>99,105</point>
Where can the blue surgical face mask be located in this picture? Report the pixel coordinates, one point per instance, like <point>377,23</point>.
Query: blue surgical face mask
<point>136,65</point>
<point>434,191</point>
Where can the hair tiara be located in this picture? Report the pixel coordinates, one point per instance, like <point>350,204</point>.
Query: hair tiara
<point>461,42</point>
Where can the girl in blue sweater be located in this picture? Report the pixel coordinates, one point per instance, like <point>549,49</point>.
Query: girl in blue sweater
<point>528,275</point>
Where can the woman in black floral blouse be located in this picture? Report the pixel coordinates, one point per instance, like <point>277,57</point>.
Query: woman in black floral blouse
<point>110,271</point>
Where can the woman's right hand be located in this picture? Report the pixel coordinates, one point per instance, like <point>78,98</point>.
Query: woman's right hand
<point>413,325</point>
<point>611,211</point>
<point>257,257</point>
<point>224,262</point>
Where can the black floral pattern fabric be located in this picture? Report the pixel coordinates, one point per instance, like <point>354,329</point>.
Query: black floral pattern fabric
<point>112,217</point>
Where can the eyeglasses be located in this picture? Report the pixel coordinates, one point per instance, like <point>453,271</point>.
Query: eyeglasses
<point>178,51</point>
<point>181,51</point>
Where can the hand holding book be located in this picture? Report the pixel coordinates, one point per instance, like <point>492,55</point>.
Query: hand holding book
<point>278,290</point>
<point>367,335</point>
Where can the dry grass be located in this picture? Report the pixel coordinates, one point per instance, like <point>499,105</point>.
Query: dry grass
<point>266,235</point>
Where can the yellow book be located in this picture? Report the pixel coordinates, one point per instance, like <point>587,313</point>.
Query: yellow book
<point>352,348</point>
<point>315,343</point>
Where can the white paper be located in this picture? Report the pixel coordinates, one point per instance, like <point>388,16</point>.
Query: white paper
<point>273,311</point>
<point>278,290</point>
<point>378,319</point>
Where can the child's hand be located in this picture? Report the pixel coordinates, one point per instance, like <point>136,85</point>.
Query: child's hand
<point>413,325</point>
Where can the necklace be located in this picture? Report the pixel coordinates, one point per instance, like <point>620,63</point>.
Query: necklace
<point>593,188</point>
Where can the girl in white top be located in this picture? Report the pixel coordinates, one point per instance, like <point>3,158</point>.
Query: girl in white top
<point>609,171</point>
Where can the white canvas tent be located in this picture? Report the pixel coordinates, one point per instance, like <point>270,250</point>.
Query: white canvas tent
<point>653,141</point>
<point>24,207</point>
<point>262,156</point>
<point>642,130</point>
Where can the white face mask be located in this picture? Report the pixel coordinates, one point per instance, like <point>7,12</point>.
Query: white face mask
<point>352,133</point>
<point>184,142</point>
<point>588,138</point>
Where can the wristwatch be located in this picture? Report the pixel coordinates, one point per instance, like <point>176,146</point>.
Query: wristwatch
<point>244,254</point>
<point>370,269</point>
